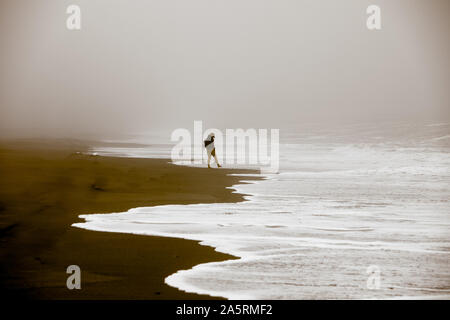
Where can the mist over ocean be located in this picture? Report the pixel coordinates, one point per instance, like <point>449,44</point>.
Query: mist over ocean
<point>351,198</point>
<point>346,202</point>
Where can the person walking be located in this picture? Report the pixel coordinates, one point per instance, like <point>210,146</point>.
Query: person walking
<point>211,150</point>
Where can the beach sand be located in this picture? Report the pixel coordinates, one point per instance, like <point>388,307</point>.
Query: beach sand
<point>45,185</point>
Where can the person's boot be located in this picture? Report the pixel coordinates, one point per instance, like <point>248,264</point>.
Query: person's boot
<point>219,166</point>
<point>209,167</point>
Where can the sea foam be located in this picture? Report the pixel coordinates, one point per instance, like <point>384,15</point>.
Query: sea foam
<point>338,207</point>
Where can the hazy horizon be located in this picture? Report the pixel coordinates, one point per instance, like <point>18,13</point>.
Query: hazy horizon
<point>159,65</point>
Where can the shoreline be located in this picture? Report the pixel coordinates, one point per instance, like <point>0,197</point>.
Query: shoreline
<point>171,279</point>
<point>46,186</point>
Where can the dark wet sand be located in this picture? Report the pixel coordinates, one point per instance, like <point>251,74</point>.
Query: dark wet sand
<point>45,185</point>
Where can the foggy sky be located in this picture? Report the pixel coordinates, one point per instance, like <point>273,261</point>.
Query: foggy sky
<point>161,64</point>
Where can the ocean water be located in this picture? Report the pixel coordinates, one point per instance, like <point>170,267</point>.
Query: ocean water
<point>357,212</point>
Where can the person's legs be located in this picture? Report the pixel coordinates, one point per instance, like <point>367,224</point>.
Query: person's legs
<point>213,152</point>
<point>217,161</point>
<point>209,159</point>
